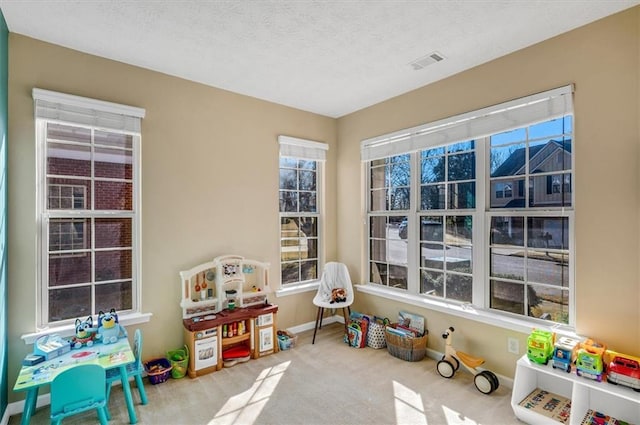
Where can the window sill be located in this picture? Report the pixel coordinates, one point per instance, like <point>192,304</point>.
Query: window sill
<point>298,289</point>
<point>69,330</point>
<point>465,311</point>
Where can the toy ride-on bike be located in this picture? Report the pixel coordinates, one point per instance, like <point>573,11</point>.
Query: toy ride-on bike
<point>486,381</point>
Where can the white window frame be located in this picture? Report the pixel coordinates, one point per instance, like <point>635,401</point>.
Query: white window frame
<point>475,125</point>
<point>303,149</point>
<point>61,108</point>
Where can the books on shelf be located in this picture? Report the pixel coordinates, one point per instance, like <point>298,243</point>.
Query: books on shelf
<point>548,404</point>
<point>594,417</point>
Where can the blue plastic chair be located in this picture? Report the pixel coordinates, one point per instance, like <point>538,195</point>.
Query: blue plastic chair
<point>135,370</point>
<point>77,390</point>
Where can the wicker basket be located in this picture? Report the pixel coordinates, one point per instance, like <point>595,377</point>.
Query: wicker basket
<point>406,348</point>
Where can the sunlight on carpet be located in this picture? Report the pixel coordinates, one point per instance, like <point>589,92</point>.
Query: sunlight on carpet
<point>408,405</point>
<point>455,418</point>
<point>244,408</point>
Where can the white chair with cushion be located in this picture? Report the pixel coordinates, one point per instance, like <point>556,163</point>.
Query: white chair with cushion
<point>334,276</point>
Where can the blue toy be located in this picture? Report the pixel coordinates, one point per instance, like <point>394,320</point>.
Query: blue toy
<point>85,333</point>
<point>109,330</point>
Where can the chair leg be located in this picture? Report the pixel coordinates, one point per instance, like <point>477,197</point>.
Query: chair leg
<point>141,390</point>
<point>108,414</point>
<point>346,319</point>
<point>318,320</point>
<point>102,415</point>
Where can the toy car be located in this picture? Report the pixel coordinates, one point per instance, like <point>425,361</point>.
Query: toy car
<point>624,370</point>
<point>540,346</point>
<point>564,353</point>
<point>589,361</point>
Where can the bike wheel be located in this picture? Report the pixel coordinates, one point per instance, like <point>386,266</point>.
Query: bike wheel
<point>483,383</point>
<point>445,369</point>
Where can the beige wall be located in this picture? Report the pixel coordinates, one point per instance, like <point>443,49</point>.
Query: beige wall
<point>209,178</point>
<point>602,60</point>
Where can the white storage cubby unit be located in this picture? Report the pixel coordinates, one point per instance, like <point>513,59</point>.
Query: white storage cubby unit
<point>616,401</point>
<point>204,286</point>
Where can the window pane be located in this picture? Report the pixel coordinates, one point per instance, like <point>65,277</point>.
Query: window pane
<point>116,295</point>
<point>507,263</point>
<point>307,180</point>
<point>548,303</point>
<point>397,276</point>
<point>549,155</point>
<point>290,273</point>
<point>309,270</point>
<point>431,228</point>
<point>554,127</point>
<point>548,267</point>
<point>307,165</point>
<point>508,193</point>
<point>508,160</point>
<point>461,147</point>
<point>462,166</point>
<point>113,232</point>
<point>432,255</point>
<point>378,227</point>
<point>550,191</point>
<point>378,273</point>
<point>507,296</point>
<point>116,140</point>
<point>507,230</point>
<point>548,232</point>
<point>378,177</point>
<point>432,283</point>
<point>69,303</point>
<point>68,160</point>
<point>432,170</point>
<point>400,198</point>
<point>378,250</point>
<point>309,226</point>
<point>69,269</point>
<point>288,201</point>
<point>432,197</point>
<point>379,200</point>
<point>68,194</point>
<point>113,265</point>
<point>462,196</point>
<point>112,195</point>
<point>399,175</point>
<point>69,234</point>
<point>307,201</point>
<point>459,287</point>
<point>286,162</point>
<point>68,133</point>
<point>113,163</point>
<point>517,135</point>
<point>288,179</point>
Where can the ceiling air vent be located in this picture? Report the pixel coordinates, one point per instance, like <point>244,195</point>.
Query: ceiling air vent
<point>426,60</point>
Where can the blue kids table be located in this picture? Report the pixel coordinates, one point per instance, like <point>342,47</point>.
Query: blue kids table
<point>116,355</point>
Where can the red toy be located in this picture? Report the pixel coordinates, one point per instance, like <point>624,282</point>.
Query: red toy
<point>624,370</point>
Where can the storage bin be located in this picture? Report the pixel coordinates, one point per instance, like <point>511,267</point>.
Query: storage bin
<point>406,348</point>
<point>286,340</point>
<point>158,370</point>
<point>179,360</point>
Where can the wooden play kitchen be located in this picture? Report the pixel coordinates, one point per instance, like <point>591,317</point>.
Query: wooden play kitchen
<point>226,316</point>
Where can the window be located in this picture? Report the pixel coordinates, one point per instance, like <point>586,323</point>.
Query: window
<point>301,163</point>
<point>88,191</point>
<point>478,209</point>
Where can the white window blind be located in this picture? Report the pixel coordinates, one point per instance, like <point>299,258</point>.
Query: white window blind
<point>303,149</point>
<point>471,125</point>
<point>68,108</point>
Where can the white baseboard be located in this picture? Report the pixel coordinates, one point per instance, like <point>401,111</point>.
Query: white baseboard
<point>17,407</point>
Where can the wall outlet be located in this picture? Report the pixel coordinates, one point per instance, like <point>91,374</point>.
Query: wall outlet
<point>513,345</point>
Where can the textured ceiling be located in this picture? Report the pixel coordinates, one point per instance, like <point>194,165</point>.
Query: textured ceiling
<point>327,57</point>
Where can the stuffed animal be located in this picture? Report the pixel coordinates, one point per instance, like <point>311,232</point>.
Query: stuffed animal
<point>85,333</point>
<point>338,295</point>
<point>109,330</point>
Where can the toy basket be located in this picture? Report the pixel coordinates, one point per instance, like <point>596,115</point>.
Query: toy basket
<point>158,370</point>
<point>179,360</point>
<point>406,348</point>
<point>286,340</point>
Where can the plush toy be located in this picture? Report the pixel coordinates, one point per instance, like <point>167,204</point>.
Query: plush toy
<point>338,295</point>
<point>109,330</point>
<point>85,333</point>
